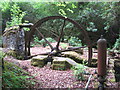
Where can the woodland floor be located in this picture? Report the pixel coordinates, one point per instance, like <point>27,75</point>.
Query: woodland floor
<point>48,78</point>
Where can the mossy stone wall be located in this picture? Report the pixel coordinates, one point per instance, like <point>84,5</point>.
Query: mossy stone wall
<point>13,40</point>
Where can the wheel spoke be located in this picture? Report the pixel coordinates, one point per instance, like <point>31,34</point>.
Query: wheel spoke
<point>53,32</point>
<point>61,35</point>
<point>45,39</point>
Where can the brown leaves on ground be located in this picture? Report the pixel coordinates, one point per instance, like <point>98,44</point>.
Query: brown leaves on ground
<point>48,78</point>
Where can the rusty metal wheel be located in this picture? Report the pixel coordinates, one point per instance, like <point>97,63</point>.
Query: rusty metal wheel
<point>59,33</point>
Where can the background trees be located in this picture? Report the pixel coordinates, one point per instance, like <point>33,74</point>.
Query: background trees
<point>96,17</point>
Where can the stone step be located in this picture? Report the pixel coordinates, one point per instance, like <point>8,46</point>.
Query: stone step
<point>63,62</point>
<point>72,62</point>
<point>39,60</point>
<point>59,67</point>
<point>73,55</point>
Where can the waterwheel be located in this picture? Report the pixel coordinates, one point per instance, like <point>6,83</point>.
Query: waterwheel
<point>58,34</point>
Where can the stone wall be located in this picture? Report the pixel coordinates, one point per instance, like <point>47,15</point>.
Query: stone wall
<point>13,40</point>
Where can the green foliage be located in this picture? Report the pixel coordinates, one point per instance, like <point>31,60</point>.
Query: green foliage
<point>48,39</point>
<point>96,17</point>
<point>74,41</point>
<point>5,9</point>
<point>117,44</point>
<point>27,29</point>
<point>15,77</point>
<point>79,71</point>
<point>1,41</point>
<point>2,55</point>
<point>100,12</point>
<point>91,27</point>
<point>19,57</point>
<point>36,39</point>
<point>42,42</point>
<point>69,25</point>
<point>64,45</point>
<point>62,12</point>
<point>66,9</point>
<point>16,15</point>
<point>6,6</point>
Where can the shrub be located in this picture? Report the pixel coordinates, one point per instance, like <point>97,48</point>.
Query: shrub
<point>2,55</point>
<point>15,77</point>
<point>51,40</point>
<point>74,41</point>
<point>79,71</point>
<point>42,42</point>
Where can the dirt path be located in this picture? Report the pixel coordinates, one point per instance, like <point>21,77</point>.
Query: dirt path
<point>49,78</point>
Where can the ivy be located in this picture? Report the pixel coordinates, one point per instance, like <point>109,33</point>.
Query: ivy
<point>16,15</point>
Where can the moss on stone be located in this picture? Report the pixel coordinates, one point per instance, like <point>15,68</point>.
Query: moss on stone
<point>12,29</point>
<point>58,67</point>
<point>73,55</point>
<point>39,60</point>
<point>60,63</point>
<point>59,60</point>
<point>11,53</point>
<point>20,57</point>
<point>80,51</point>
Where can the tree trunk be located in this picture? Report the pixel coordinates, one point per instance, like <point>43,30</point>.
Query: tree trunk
<point>89,55</point>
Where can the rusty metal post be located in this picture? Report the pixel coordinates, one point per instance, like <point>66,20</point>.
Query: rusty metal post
<point>27,44</point>
<point>89,55</point>
<point>101,61</point>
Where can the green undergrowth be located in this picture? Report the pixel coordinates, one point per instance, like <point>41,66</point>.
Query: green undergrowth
<point>15,77</point>
<point>79,71</point>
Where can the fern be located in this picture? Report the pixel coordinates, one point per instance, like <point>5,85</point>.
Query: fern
<point>15,77</point>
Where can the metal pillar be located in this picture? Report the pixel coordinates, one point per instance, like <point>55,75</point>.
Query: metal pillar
<point>89,55</point>
<point>101,61</point>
